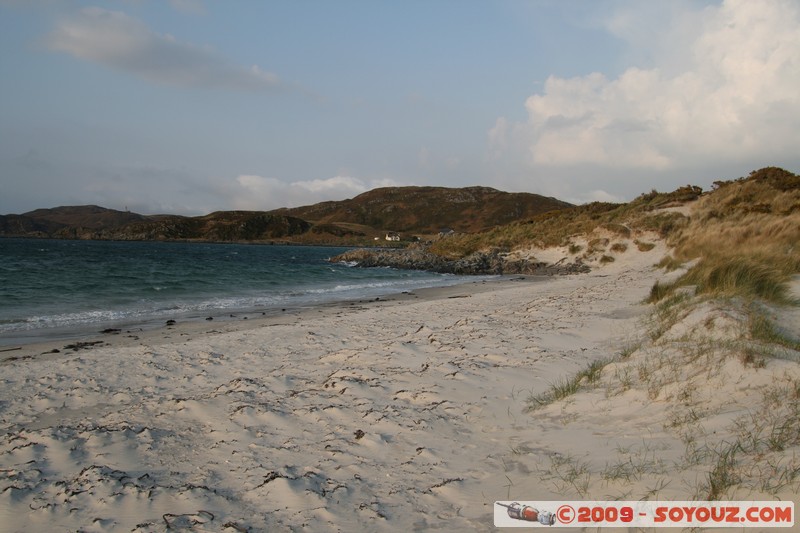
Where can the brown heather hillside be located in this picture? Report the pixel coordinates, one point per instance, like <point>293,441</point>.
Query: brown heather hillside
<point>85,216</point>
<point>65,222</point>
<point>93,222</point>
<point>427,210</point>
<point>22,226</point>
<point>221,226</point>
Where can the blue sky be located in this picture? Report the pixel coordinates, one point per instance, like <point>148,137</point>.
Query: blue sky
<point>190,106</point>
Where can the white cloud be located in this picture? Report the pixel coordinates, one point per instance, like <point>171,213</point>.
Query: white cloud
<point>117,40</point>
<point>715,84</point>
<point>263,193</point>
<point>498,138</point>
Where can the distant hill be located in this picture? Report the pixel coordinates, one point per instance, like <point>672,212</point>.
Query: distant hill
<point>426,210</point>
<point>93,222</point>
<point>408,210</point>
<point>54,222</point>
<point>84,216</point>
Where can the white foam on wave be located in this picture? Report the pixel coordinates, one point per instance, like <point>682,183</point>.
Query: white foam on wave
<point>154,310</point>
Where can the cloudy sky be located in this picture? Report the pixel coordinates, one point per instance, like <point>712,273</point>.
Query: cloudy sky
<point>191,106</point>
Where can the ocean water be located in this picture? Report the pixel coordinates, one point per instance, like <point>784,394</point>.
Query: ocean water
<point>57,287</point>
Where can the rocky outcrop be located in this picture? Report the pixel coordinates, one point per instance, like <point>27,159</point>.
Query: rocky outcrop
<point>485,262</point>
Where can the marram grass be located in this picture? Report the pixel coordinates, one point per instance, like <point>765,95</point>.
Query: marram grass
<point>732,276</point>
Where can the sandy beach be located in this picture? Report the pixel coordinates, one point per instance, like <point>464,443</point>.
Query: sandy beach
<point>407,413</point>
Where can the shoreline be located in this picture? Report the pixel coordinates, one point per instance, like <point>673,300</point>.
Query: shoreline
<point>222,284</point>
<point>55,341</point>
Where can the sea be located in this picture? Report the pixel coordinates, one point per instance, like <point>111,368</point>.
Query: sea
<point>61,288</point>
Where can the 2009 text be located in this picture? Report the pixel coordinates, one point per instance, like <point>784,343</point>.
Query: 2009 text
<point>605,514</point>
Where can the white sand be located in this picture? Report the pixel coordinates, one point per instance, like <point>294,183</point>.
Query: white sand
<point>382,416</point>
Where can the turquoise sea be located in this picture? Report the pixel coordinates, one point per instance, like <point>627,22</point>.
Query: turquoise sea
<point>60,287</point>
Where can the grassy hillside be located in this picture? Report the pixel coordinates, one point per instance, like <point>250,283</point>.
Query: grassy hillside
<point>746,235</point>
<point>557,228</point>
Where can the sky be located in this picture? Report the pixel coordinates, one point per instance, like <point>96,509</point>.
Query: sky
<point>193,106</point>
